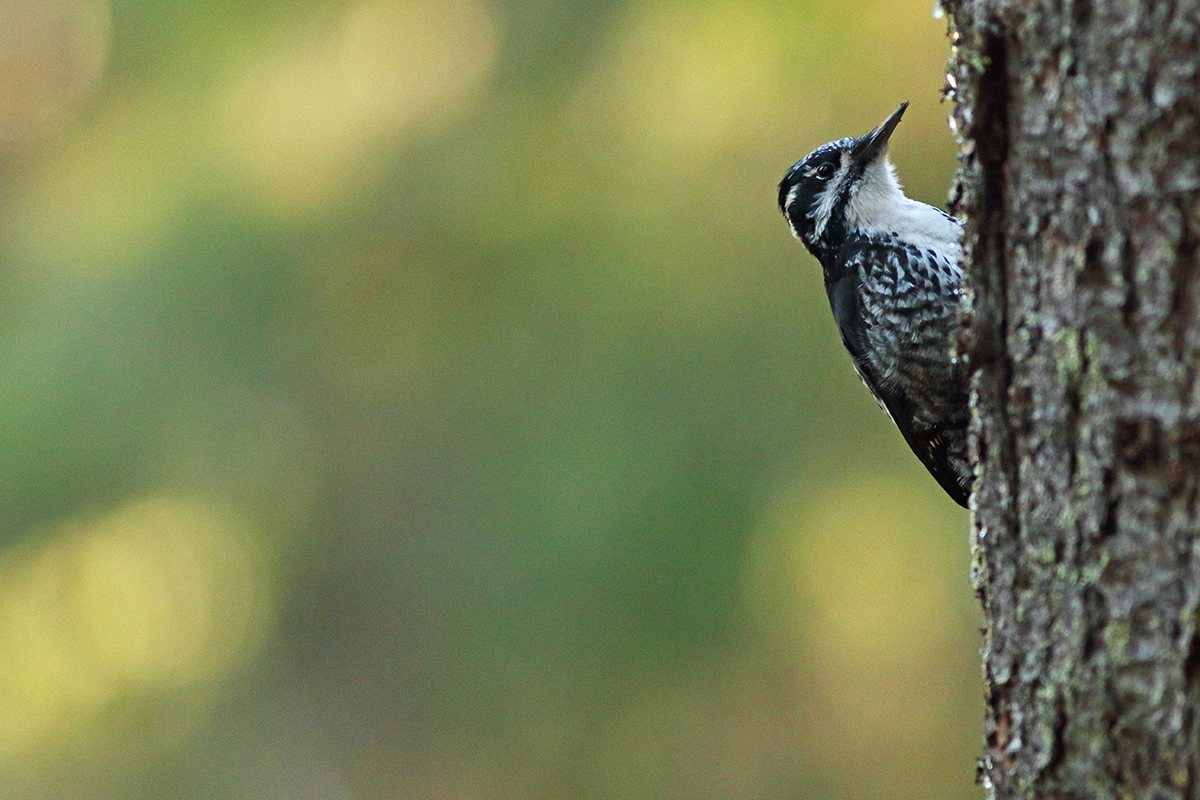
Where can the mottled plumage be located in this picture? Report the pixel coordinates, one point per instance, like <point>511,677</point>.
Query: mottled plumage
<point>892,273</point>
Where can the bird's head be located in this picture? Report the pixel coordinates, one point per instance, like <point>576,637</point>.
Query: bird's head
<point>826,194</point>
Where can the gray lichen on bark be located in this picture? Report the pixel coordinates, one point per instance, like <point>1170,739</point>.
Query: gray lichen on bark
<point>1080,184</point>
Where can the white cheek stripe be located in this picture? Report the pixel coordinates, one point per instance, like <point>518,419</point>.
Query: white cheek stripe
<point>824,210</point>
<point>787,209</point>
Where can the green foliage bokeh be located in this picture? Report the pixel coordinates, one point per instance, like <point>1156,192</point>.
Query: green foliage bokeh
<point>424,399</point>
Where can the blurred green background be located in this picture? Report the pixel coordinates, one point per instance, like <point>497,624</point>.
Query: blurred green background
<point>424,399</point>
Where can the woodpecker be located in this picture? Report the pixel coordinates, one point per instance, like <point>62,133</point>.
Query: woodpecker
<point>892,273</point>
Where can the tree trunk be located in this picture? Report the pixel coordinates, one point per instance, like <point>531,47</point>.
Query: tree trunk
<point>1080,184</point>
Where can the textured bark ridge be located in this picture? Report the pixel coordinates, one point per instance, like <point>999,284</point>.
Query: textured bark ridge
<point>1080,183</point>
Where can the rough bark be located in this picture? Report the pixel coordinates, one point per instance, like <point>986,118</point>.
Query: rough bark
<point>1080,183</point>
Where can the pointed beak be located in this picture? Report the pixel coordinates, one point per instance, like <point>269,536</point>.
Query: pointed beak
<point>874,144</point>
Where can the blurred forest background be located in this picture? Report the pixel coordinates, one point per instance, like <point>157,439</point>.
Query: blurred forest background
<point>424,400</point>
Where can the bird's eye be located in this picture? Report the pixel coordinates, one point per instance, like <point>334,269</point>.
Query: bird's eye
<point>825,171</point>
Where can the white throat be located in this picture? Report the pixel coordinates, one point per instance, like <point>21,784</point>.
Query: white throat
<point>877,205</point>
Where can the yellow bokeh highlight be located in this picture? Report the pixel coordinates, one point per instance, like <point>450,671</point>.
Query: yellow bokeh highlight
<point>301,117</point>
<point>855,581</point>
<point>862,558</point>
<point>106,196</point>
<point>160,595</point>
<point>298,118</point>
<point>681,82</point>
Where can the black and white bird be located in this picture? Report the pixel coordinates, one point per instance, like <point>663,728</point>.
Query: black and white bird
<point>893,277</point>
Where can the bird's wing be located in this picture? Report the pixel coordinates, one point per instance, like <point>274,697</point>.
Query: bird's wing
<point>932,445</point>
